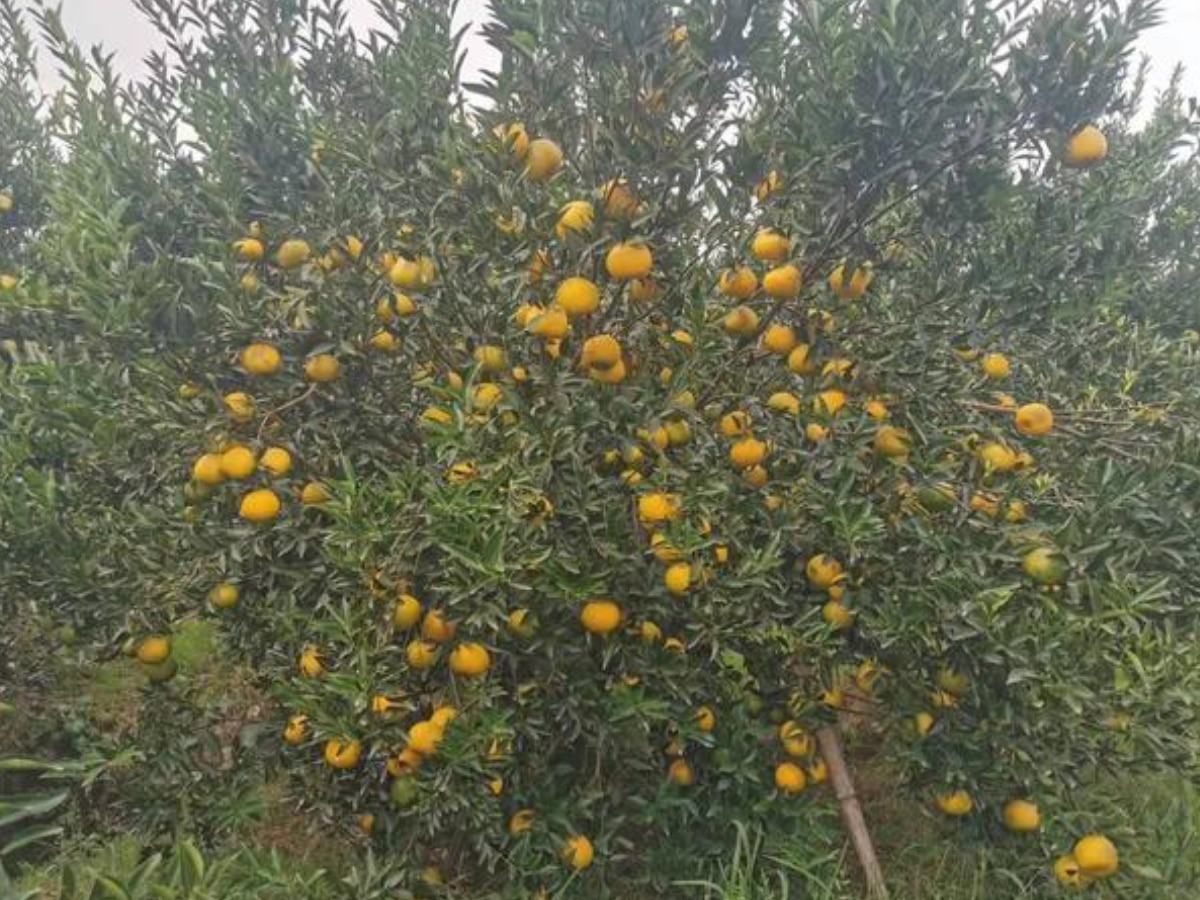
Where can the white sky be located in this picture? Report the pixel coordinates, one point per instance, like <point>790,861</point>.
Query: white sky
<point>121,29</point>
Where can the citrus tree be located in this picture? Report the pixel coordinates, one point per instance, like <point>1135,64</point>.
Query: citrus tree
<point>561,450</point>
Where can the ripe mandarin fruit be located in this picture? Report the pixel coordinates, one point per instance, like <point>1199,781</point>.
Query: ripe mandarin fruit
<point>748,452</point>
<point>894,443</point>
<point>238,462</point>
<point>292,254</point>
<point>576,217</point>
<point>837,615</point>
<point>553,324</point>
<point>514,138</point>
<point>770,246</point>
<point>1097,856</point>
<point>771,183</point>
<point>207,469</point>
<point>314,494</point>
<point>601,351</point>
<point>1045,565</point>
<point>310,663</point>
<point>735,424</point>
<point>249,249</point>
<point>491,358</point>
<point>296,730</point>
<point>783,282</point>
<point>543,160</point>
<point>657,507</point>
<point>741,321</point>
<point>816,433</point>
<point>407,612</point>
<point>322,368</point>
<point>1086,147</point>
<point>618,200</point>
<point>384,342</point>
<point>829,402</point>
<point>629,260</point>
<point>520,822</point>
<point>486,396</point>
<point>261,505</point>
<point>578,852</point>
<point>740,282</point>
<point>600,617</point>
<point>790,779</point>
<point>239,405</point>
<point>522,623</point>
<point>855,287</point>
<point>783,402</point>
<point>1021,816</point>
<point>1034,419</point>
<point>1068,873</point>
<point>276,461</point>
<point>997,457</point>
<point>577,296</point>
<point>678,578</point>
<point>996,366</point>
<point>405,274</point>
<point>823,571</point>
<point>341,753</point>
<point>435,627</point>
<point>224,595</point>
<point>154,649</point>
<point>261,359</point>
<point>681,773</point>
<point>425,737</point>
<point>470,660</point>
<point>955,803</point>
<point>706,719</point>
<point>794,739</point>
<point>798,360</point>
<point>818,772</point>
<point>779,339</point>
<point>421,654</point>
<point>756,476</point>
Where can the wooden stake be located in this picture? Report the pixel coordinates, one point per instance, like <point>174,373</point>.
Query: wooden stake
<point>831,751</point>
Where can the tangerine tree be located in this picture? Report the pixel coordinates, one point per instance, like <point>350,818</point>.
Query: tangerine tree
<point>562,450</point>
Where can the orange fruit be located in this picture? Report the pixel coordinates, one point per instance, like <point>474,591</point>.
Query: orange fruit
<point>790,778</point>
<point>322,368</point>
<point>261,359</point>
<point>341,753</point>
<point>435,627</point>
<point>1034,419</point>
<point>629,260</point>
<point>783,282</point>
<point>770,246</point>
<point>1086,147</point>
<point>470,660</point>
<point>543,160</point>
<point>600,617</point>
<point>261,505</point>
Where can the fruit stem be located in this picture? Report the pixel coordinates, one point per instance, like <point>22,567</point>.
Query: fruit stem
<point>852,815</point>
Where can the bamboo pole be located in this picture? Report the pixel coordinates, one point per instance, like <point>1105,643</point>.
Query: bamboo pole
<point>852,815</point>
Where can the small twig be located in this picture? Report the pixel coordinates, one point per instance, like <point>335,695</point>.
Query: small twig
<point>274,413</point>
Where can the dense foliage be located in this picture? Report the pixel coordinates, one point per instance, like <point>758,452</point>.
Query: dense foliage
<point>546,506</point>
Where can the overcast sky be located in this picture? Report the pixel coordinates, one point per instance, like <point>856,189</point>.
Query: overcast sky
<point>120,28</point>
